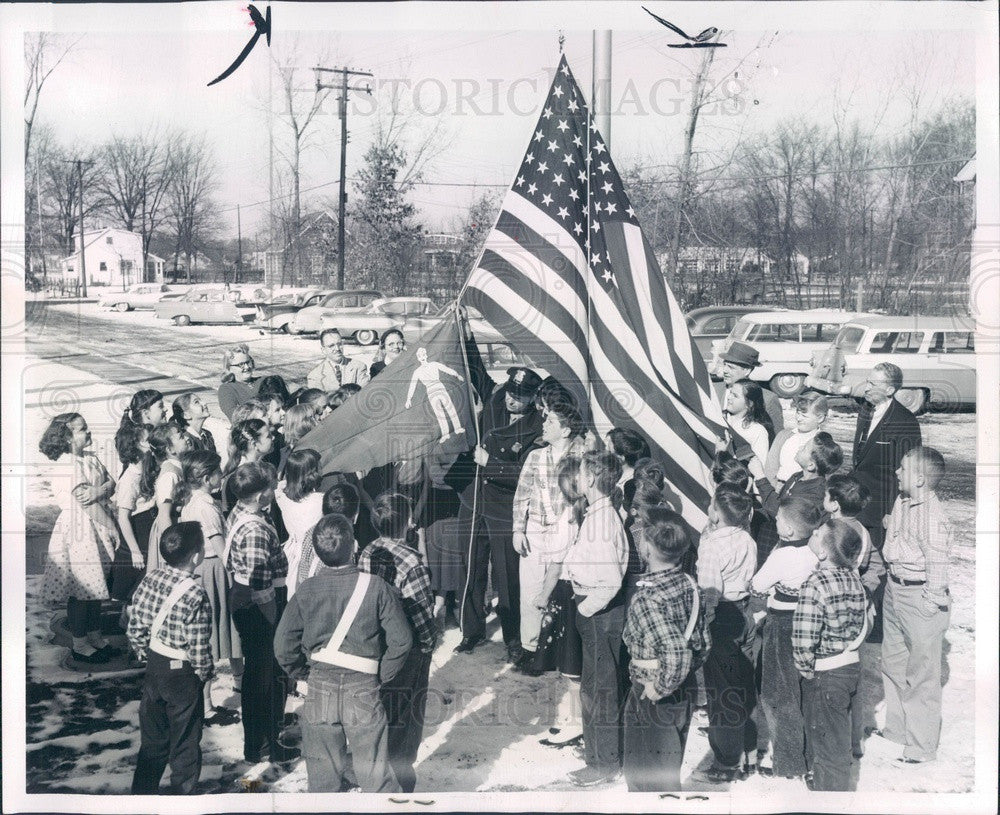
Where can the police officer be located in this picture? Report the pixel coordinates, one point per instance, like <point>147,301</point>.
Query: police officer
<point>511,425</point>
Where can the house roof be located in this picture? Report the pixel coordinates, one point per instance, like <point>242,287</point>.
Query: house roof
<point>968,172</point>
<point>98,233</point>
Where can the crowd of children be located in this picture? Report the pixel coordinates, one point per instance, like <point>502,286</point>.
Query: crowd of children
<point>303,579</point>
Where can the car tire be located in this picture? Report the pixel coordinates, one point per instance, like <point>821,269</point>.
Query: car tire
<point>913,399</point>
<point>122,307</point>
<point>787,386</point>
<point>182,320</point>
<point>366,336</point>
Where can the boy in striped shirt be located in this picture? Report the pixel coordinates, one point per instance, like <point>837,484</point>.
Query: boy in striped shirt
<point>828,627</point>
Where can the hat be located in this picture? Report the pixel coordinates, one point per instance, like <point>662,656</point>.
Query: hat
<point>739,353</point>
<point>522,383</point>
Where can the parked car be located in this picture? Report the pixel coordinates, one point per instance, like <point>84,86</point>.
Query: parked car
<point>366,327</point>
<point>137,296</point>
<point>276,313</point>
<point>785,341</point>
<point>936,354</point>
<point>309,320</point>
<point>499,355</point>
<point>206,306</point>
<point>710,323</point>
<point>417,324</point>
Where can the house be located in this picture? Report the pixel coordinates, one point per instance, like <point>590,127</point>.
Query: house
<point>316,263</point>
<point>696,261</point>
<point>113,258</point>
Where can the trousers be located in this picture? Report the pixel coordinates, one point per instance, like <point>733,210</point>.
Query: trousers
<point>262,704</point>
<point>912,642</point>
<point>404,698</point>
<point>171,714</point>
<point>601,685</point>
<point>781,695</point>
<point>344,707</point>
<point>826,706</point>
<point>491,545</point>
<point>655,737</point>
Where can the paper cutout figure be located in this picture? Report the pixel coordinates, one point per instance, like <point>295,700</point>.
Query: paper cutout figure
<point>429,373</point>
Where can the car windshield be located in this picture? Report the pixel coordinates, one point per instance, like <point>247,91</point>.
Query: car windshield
<point>849,338</point>
<point>740,329</point>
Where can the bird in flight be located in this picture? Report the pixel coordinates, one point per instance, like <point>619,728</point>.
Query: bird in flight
<point>262,25</point>
<point>702,40</point>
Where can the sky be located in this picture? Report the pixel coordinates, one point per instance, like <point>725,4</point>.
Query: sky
<point>482,89</point>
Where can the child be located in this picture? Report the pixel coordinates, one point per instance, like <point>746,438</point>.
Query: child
<point>747,416</point>
<point>538,503</point>
<point>301,505</point>
<point>249,442</point>
<point>667,637</point>
<point>135,513</point>
<point>400,565</point>
<point>727,560</point>
<point>200,477</point>
<point>595,565</point>
<point>339,642</point>
<point>189,413</point>
<point>340,499</point>
<point>84,537</point>
<point>784,571</point>
<point>845,499</point>
<point>629,446</point>
<point>170,625</point>
<point>161,471</point>
<point>811,409</point>
<point>257,563</point>
<point>819,458</point>
<point>299,420</point>
<point>828,627</point>
<point>916,608</point>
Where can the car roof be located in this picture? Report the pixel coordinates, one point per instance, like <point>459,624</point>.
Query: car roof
<point>915,322</point>
<point>792,316</point>
<point>698,312</point>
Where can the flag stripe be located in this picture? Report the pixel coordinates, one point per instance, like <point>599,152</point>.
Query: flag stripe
<point>557,270</point>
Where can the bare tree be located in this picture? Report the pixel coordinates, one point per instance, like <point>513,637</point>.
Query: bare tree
<point>189,202</point>
<point>42,54</point>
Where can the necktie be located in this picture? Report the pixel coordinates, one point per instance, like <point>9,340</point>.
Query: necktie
<point>340,379</point>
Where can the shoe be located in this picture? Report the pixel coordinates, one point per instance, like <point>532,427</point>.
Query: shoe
<point>467,645</point>
<point>525,668</point>
<point>719,775</point>
<point>906,762</point>
<point>591,776</point>
<point>96,658</point>
<point>110,651</point>
<point>280,753</point>
<point>515,652</point>
<point>526,658</point>
<point>858,752</point>
<point>765,771</point>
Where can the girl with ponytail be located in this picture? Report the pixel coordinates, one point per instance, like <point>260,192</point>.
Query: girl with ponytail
<point>145,409</point>
<point>201,475</point>
<point>249,442</point>
<point>135,512</point>
<point>189,413</point>
<point>161,470</point>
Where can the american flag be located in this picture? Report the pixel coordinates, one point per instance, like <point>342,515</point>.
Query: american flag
<point>569,278</point>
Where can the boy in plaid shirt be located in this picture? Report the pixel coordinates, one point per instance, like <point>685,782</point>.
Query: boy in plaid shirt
<point>828,627</point>
<point>668,639</point>
<point>405,694</point>
<point>170,626</point>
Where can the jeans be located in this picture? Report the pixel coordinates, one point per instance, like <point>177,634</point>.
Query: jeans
<point>404,698</point>
<point>781,695</point>
<point>171,714</point>
<point>343,706</point>
<point>729,681</point>
<point>912,642</point>
<point>826,705</point>
<point>601,686</point>
<point>655,736</point>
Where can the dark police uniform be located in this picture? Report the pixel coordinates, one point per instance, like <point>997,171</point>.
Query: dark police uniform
<point>490,539</point>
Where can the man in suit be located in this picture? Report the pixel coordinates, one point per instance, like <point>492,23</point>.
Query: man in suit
<point>337,368</point>
<point>737,362</point>
<point>510,427</point>
<point>885,432</point>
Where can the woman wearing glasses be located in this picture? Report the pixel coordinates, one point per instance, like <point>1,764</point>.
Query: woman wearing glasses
<point>239,385</point>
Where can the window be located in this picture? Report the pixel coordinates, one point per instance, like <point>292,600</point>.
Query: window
<point>103,266</point>
<point>109,240</point>
<point>217,296</point>
<point>953,342</point>
<point>719,325</point>
<point>820,332</point>
<point>849,338</point>
<point>897,342</point>
<point>774,332</point>
<point>740,330</point>
<point>732,265</point>
<point>689,266</point>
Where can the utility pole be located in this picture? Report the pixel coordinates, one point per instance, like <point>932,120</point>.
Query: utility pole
<point>601,90</point>
<point>239,247</point>
<point>342,106</point>
<point>83,259</point>
<point>38,208</point>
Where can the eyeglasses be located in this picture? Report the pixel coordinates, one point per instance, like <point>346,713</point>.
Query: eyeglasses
<point>247,363</point>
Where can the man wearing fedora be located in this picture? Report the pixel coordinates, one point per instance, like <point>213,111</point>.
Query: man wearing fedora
<point>737,363</point>
<point>510,428</point>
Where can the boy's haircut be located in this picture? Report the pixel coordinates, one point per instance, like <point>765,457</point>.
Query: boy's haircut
<point>649,469</point>
<point>802,511</point>
<point>642,495</point>
<point>249,479</point>
<point>311,396</point>
<point>273,387</point>
<point>302,475</point>
<point>180,541</point>
<point>664,530</point>
<point>813,401</point>
<point>893,374</point>
<point>568,416</point>
<point>850,494</point>
<point>728,469</point>
<point>551,393</point>
<point>342,499</point>
<point>391,515</point>
<point>842,542</point>
<point>606,467</point>
<point>931,463</point>
<point>628,444</point>
<point>56,439</point>
<point>334,399</point>
<point>333,540</point>
<point>733,504</point>
<point>826,453</point>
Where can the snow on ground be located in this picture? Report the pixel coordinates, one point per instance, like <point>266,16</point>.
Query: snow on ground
<point>483,721</point>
